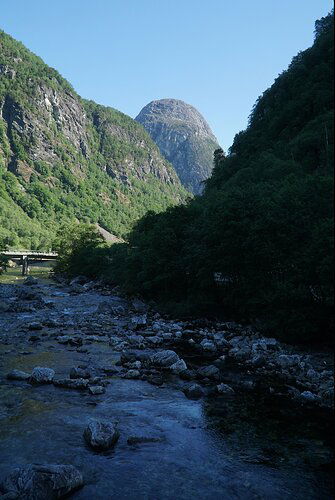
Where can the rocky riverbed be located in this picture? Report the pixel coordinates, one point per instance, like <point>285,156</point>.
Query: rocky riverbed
<point>110,400</point>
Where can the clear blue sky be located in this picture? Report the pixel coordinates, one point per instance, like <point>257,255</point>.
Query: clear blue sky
<point>218,55</point>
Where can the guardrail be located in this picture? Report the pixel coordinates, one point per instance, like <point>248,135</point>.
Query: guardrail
<point>29,253</point>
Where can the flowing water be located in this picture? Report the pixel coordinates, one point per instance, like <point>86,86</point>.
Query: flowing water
<point>247,447</point>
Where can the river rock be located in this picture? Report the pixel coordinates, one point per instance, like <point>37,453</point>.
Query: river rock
<point>140,320</point>
<point>194,391</point>
<point>265,344</point>
<point>287,360</point>
<point>101,435</point>
<point>41,375</point>
<point>63,339</point>
<point>209,371</point>
<point>164,359</point>
<point>35,325</point>
<point>68,383</point>
<point>257,360</point>
<point>42,482</point>
<point>17,375</point>
<point>309,396</point>
<point>96,389</point>
<point>30,280</point>
<point>79,373</point>
<point>136,365</point>
<point>208,345</point>
<point>224,389</point>
<point>178,367</point>
<point>188,374</point>
<point>132,374</point>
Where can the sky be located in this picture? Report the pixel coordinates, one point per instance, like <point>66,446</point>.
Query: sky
<point>218,55</point>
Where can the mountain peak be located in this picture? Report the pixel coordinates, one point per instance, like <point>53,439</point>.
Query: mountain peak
<point>183,137</point>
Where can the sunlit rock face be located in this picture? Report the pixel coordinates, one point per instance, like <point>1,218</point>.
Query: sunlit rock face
<point>183,137</point>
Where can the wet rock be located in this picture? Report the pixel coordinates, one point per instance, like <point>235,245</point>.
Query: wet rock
<point>128,357</point>
<point>111,370</point>
<point>135,340</point>
<point>41,375</point>
<point>194,391</point>
<point>188,374</point>
<point>312,375</point>
<point>155,380</point>
<point>208,345</point>
<point>17,375</point>
<point>265,344</point>
<point>35,325</point>
<point>287,360</point>
<point>132,440</point>
<point>132,374</point>
<point>164,359</point>
<point>179,366</point>
<point>136,365</point>
<point>96,389</point>
<point>139,320</point>
<point>309,396</point>
<point>69,383</point>
<point>224,389</point>
<point>30,280</point>
<point>167,336</point>
<point>63,339</point>
<point>79,373</point>
<point>34,338</point>
<point>41,482</point>
<point>239,353</point>
<point>209,371</point>
<point>155,340</point>
<point>257,360</point>
<point>101,435</point>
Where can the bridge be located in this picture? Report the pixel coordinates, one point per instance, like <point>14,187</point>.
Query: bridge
<point>26,255</point>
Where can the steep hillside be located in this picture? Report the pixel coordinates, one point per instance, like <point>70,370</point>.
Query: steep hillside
<point>63,158</point>
<point>258,245</point>
<point>183,137</point>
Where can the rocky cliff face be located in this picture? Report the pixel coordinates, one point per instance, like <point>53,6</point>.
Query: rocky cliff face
<point>64,158</point>
<point>183,137</point>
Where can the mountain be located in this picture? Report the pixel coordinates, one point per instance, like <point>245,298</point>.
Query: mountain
<point>183,137</point>
<point>63,158</point>
<point>257,246</point>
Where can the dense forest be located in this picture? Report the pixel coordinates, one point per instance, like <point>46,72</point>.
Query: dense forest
<point>257,245</point>
<point>63,158</point>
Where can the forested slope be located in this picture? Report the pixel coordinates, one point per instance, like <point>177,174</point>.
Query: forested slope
<point>66,159</point>
<point>257,246</point>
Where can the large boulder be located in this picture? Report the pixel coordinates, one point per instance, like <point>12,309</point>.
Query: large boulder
<point>41,375</point>
<point>42,482</point>
<point>164,359</point>
<point>178,367</point>
<point>101,435</point>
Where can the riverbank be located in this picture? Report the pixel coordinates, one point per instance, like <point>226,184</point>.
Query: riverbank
<point>204,410</point>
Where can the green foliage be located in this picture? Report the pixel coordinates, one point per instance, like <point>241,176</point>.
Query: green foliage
<point>257,246</point>
<point>79,247</point>
<point>47,179</point>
